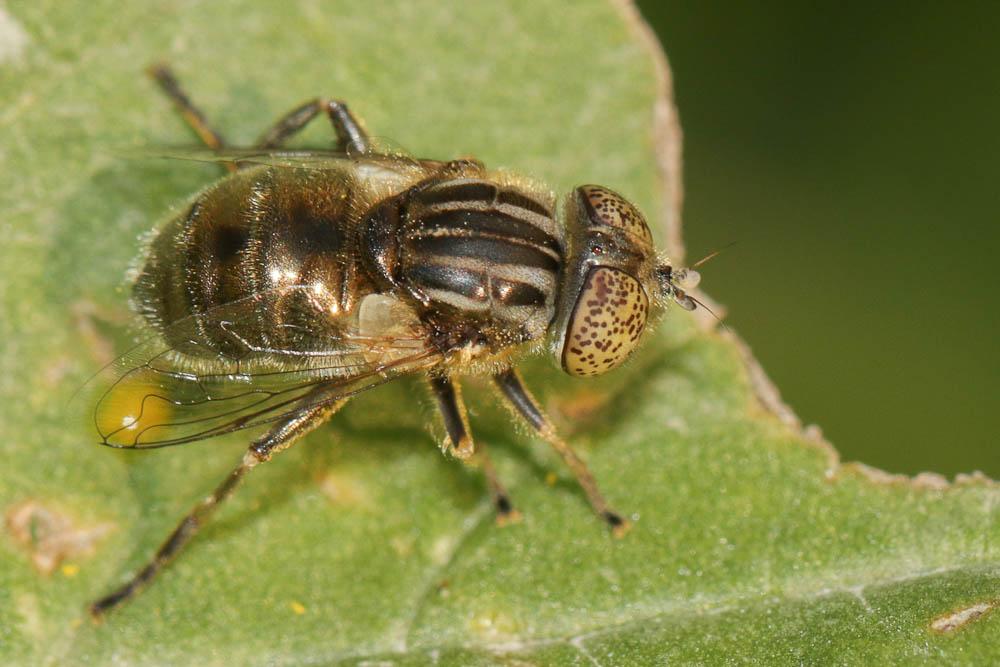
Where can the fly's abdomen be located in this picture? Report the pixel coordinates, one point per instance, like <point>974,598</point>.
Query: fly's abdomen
<point>279,238</point>
<point>485,250</point>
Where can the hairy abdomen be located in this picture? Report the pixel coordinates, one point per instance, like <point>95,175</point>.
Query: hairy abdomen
<point>238,247</point>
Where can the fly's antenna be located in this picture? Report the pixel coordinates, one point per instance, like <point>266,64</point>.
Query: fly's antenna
<point>675,283</point>
<point>688,302</point>
<point>713,254</point>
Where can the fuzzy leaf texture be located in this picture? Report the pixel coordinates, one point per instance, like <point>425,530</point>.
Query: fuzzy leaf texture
<point>362,543</point>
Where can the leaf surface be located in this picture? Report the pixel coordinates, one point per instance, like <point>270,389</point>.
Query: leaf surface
<point>751,541</point>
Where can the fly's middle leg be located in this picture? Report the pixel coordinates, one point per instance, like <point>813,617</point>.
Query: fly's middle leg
<point>456,423</point>
<point>313,413</point>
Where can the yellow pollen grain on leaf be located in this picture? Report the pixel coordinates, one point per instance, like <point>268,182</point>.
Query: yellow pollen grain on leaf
<point>69,570</point>
<point>297,607</point>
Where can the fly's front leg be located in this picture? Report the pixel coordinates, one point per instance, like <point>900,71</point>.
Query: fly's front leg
<point>456,424</point>
<point>351,136</point>
<point>278,438</point>
<point>523,404</point>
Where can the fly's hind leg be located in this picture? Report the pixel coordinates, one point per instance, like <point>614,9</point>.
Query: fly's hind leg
<point>278,438</point>
<point>164,77</point>
<point>456,423</point>
<point>522,403</point>
<point>351,136</point>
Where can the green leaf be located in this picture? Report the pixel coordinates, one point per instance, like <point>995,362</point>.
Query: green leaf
<point>751,541</point>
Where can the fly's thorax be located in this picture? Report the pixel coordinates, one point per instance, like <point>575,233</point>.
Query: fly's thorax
<point>474,253</point>
<point>608,282</point>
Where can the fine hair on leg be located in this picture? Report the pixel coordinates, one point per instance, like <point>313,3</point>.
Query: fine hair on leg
<point>449,399</point>
<point>523,404</point>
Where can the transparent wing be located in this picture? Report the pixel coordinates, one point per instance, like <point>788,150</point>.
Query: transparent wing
<point>387,156</point>
<point>209,374</point>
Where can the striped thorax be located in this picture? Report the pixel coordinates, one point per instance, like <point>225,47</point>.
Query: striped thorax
<point>476,254</point>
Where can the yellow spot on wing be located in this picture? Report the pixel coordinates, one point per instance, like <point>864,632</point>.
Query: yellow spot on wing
<point>131,407</point>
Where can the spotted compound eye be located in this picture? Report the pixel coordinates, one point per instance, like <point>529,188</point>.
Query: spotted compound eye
<point>606,323</point>
<point>606,207</point>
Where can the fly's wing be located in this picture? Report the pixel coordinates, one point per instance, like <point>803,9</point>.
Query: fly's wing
<point>295,159</point>
<point>386,168</point>
<point>386,156</point>
<point>204,376</point>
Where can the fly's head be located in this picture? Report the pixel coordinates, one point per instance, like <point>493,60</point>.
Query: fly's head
<point>612,279</point>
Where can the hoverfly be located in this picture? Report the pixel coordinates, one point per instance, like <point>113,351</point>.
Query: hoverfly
<point>303,278</point>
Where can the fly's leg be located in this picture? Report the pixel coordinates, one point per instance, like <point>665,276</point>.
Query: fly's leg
<point>278,438</point>
<point>456,423</point>
<point>506,512</point>
<point>351,136</point>
<point>521,401</point>
<point>164,77</point>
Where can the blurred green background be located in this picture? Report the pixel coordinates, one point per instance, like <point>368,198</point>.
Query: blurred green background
<point>853,153</point>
